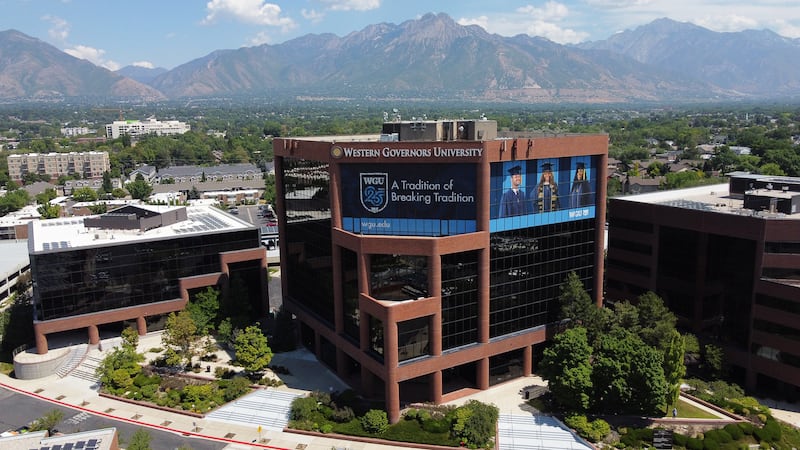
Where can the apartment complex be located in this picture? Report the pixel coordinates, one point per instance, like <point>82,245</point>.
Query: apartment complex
<point>726,261</point>
<point>136,263</point>
<point>427,261</point>
<point>85,164</point>
<point>136,128</point>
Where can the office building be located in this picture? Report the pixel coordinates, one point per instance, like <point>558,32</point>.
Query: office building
<point>84,164</point>
<point>136,263</point>
<point>137,128</point>
<point>413,275</point>
<point>726,261</point>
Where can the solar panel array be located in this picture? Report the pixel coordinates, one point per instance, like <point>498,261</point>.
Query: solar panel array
<point>688,204</point>
<point>91,444</point>
<point>203,222</point>
<point>55,245</point>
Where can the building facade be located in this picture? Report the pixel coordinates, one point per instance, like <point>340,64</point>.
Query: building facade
<point>412,274</point>
<point>85,164</point>
<point>135,263</point>
<point>726,261</point>
<point>137,128</point>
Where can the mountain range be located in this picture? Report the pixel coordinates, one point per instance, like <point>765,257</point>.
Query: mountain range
<point>435,58</point>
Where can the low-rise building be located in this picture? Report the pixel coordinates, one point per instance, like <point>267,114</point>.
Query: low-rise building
<point>137,128</point>
<point>85,164</point>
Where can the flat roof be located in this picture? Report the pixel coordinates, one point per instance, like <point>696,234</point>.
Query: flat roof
<point>13,256</point>
<point>713,198</point>
<point>70,233</point>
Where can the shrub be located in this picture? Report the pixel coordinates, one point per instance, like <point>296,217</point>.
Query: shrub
<point>326,428</point>
<point>694,444</point>
<point>375,421</point>
<point>303,408</point>
<point>149,390</point>
<point>747,428</point>
<point>235,388</point>
<point>734,431</point>
<point>594,431</point>
<point>343,415</point>
<point>679,439</point>
<point>710,444</point>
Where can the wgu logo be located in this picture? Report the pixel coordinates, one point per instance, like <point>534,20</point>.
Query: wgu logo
<point>374,191</point>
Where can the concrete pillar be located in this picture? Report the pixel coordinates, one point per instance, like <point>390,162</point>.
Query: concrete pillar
<point>94,335</point>
<point>141,326</point>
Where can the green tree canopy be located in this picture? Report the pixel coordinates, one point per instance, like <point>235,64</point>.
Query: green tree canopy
<point>139,189</point>
<point>180,337</point>
<point>84,194</point>
<point>252,349</point>
<point>567,369</point>
<point>203,309</point>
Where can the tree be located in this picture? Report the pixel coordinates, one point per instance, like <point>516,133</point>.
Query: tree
<point>48,421</point>
<point>252,349</point>
<point>44,198</point>
<point>139,189</point>
<point>180,331</point>
<point>577,307</point>
<point>49,211</point>
<point>107,187</point>
<point>656,320</point>
<point>14,200</point>
<point>713,358</point>
<point>84,194</point>
<point>674,365</point>
<point>611,366</point>
<point>118,368</point>
<point>648,385</point>
<point>203,308</point>
<point>566,368</point>
<point>119,193</point>
<point>140,440</point>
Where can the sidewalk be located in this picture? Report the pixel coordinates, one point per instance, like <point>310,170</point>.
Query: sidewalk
<point>83,395</point>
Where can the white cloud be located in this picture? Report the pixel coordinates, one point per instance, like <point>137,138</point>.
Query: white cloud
<point>255,12</point>
<point>542,21</point>
<point>727,22</point>
<point>93,55</point>
<point>617,4</point>
<point>60,29</point>
<point>352,5</point>
<point>312,15</point>
<point>144,64</point>
<point>481,21</point>
<point>260,39</point>
<point>551,11</point>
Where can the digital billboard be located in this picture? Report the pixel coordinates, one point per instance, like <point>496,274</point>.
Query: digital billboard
<point>409,199</point>
<point>542,191</point>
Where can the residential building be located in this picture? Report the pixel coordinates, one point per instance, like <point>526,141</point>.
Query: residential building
<point>136,263</point>
<point>75,131</point>
<point>137,128</point>
<point>410,274</point>
<point>726,260</point>
<point>195,174</point>
<point>84,164</point>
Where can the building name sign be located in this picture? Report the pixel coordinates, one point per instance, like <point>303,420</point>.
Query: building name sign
<point>389,152</point>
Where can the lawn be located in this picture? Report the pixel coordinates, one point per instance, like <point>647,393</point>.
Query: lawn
<point>688,411</point>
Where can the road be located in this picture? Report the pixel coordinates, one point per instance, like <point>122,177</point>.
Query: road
<point>26,409</point>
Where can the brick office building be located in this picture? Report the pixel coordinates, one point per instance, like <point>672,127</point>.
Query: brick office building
<point>411,272</point>
<point>136,263</point>
<point>726,261</point>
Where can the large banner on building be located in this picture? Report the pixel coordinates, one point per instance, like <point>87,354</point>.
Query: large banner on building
<point>540,192</point>
<point>409,199</point>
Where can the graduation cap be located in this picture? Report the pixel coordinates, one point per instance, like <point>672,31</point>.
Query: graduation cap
<point>580,165</point>
<point>547,166</point>
<point>516,170</point>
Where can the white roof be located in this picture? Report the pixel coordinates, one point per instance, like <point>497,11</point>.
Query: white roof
<point>70,233</point>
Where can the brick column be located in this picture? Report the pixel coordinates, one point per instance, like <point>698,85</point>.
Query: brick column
<point>483,373</point>
<point>141,326</point>
<point>435,379</point>
<point>94,335</point>
<point>527,360</point>
<point>41,343</point>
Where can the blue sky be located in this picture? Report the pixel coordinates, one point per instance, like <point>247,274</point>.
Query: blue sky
<point>167,33</point>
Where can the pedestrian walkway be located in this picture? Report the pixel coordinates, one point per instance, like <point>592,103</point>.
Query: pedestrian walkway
<point>265,408</point>
<point>536,432</point>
